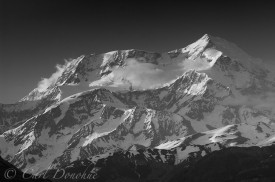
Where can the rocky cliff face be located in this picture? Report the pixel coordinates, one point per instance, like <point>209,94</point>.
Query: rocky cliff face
<point>158,109</point>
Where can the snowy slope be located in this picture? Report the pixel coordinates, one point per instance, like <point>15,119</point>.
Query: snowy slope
<point>135,69</point>
<point>99,121</point>
<point>209,93</point>
<point>163,164</point>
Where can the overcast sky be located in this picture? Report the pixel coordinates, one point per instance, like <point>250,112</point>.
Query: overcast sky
<point>36,35</point>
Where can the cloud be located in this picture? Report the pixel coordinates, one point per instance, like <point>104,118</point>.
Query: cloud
<point>140,75</point>
<point>270,70</point>
<point>197,64</point>
<point>264,101</point>
<point>46,82</point>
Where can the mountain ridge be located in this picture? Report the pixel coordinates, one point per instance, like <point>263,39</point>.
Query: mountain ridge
<point>131,100</point>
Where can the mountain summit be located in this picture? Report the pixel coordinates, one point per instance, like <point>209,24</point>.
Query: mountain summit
<point>164,108</point>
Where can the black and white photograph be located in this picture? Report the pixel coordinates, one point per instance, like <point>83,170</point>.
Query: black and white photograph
<point>137,91</point>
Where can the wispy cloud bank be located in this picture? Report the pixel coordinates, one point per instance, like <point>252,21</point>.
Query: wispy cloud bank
<point>141,75</point>
<point>264,101</point>
<point>271,70</point>
<point>46,82</point>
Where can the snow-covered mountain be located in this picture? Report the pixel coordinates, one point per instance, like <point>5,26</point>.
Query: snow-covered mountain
<point>207,96</point>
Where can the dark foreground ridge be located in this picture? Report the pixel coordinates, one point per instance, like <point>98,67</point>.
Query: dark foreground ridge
<point>235,164</point>
<point>9,173</point>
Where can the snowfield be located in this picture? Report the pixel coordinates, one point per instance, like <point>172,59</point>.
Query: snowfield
<point>195,100</point>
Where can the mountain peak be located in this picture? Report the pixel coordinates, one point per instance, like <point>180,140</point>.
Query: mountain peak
<point>95,70</point>
<point>127,100</point>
